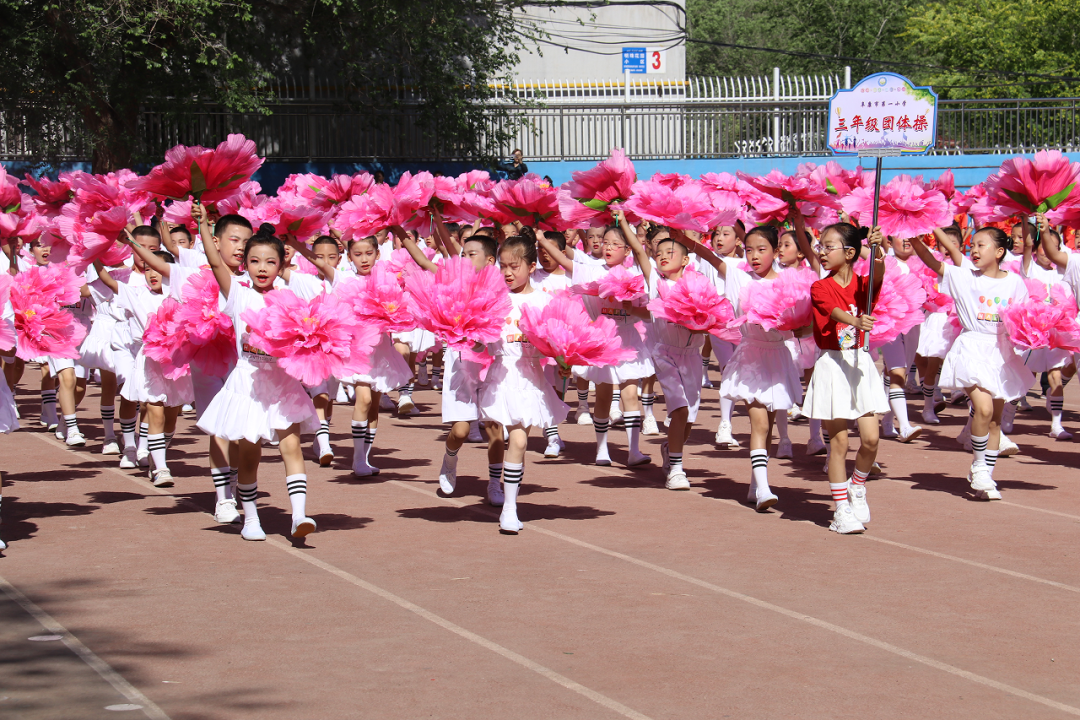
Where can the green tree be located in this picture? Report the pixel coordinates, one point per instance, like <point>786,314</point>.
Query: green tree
<point>741,22</point>
<point>999,48</point>
<point>98,63</point>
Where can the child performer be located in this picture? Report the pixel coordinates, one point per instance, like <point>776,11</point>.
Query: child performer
<point>9,414</point>
<point>726,243</point>
<point>982,361</point>
<point>389,370</point>
<point>846,384</point>
<point>626,374</point>
<point>516,395</point>
<point>897,357</point>
<point>676,354</point>
<point>260,401</point>
<point>937,334</point>
<point>550,277</point>
<point>147,384</point>
<point>761,372</point>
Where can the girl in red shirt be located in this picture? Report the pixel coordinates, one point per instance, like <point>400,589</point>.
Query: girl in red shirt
<point>846,384</point>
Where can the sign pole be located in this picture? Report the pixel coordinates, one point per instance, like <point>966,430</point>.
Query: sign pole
<point>879,155</point>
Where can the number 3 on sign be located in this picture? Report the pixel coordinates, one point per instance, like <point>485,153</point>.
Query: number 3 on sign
<point>656,61</point>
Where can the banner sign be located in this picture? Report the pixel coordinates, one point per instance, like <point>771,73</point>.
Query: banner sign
<point>883,111</point>
<point>644,60</point>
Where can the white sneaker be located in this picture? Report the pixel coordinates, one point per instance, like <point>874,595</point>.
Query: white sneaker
<point>913,432</point>
<point>665,459</point>
<point>1059,433</point>
<point>143,457</point>
<point>362,469</point>
<point>706,383</point>
<point>857,497</point>
<point>637,458</point>
<point>475,436</point>
<point>421,375</point>
<point>583,417</point>
<point>58,433</point>
<point>616,414</point>
<point>982,482</point>
<point>677,481</point>
<point>128,460</point>
<point>875,469</point>
<point>163,478</point>
<point>783,449</point>
<point>930,417</point>
<point>110,447</point>
<point>3,545</point>
<point>649,427</point>
<point>385,403</point>
<point>816,446</point>
<point>495,494</point>
<point>302,527</point>
<point>795,414</point>
<point>957,397</point>
<point>76,439</point>
<point>724,437</point>
<point>436,382</point>
<point>187,409</point>
<point>405,406</point>
<point>1025,406</point>
<point>252,531</point>
<point>887,429</point>
<point>326,457</point>
<point>448,474</point>
<point>845,522</point>
<point>553,449</point>
<point>225,512</point>
<point>1006,448</point>
<point>762,501</point>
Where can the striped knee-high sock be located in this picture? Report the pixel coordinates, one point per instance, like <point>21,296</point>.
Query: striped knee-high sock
<point>156,445</point>
<point>297,487</point>
<point>220,476</point>
<point>127,429</point>
<point>108,419</point>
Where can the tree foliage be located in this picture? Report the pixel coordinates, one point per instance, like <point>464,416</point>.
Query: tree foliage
<point>102,61</point>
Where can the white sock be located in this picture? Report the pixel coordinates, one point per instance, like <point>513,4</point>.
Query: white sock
<point>220,476</point>
<point>978,448</point>
<point>512,476</point>
<point>108,415</point>
<point>297,487</point>
<point>359,440</point>
<point>928,397</point>
<point>726,406</point>
<point>71,422</point>
<point>495,473</point>
<point>552,434</point>
<point>369,442</point>
<point>144,431</point>
<point>156,445</point>
<point>647,404</point>
<point>247,495</point>
<point>616,396</point>
<point>839,494</point>
<point>601,428</point>
<point>991,460</point>
<point>759,464</point>
<point>1055,404</point>
<point>322,437</point>
<point>632,423</point>
<point>675,460</point>
<point>583,401</point>
<point>127,429</point>
<point>898,405</point>
<point>781,425</point>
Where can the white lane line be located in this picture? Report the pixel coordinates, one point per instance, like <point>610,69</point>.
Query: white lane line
<point>801,617</point>
<point>483,642</point>
<point>84,653</point>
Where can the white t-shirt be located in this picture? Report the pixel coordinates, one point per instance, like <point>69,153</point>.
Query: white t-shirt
<point>665,332</point>
<point>191,258</point>
<point>1072,274</point>
<point>549,282</point>
<point>737,279</point>
<point>513,342</point>
<point>585,273</point>
<point>243,297</point>
<point>979,300</point>
<point>306,287</point>
<point>1047,276</point>
<point>139,302</point>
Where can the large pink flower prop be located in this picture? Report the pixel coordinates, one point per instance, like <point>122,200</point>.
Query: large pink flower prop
<point>693,302</point>
<point>459,304</point>
<point>378,299</point>
<point>209,333</point>
<point>564,331</point>
<point>585,200</point>
<point>50,195</point>
<point>46,330</point>
<point>164,337</point>
<point>1047,319</point>
<point>1026,187</point>
<point>780,304</point>
<point>312,340</point>
<point>530,201</point>
<point>906,209</point>
<point>207,175</point>
<point>686,207</point>
<point>94,237</point>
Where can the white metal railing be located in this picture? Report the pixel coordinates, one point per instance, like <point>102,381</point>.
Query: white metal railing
<point>761,88</point>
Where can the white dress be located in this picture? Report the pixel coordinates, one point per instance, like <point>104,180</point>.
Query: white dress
<point>762,369</point>
<point>259,397</point>
<point>9,417</point>
<point>147,382</point>
<point>1044,359</point>
<point>676,353</point>
<point>984,356</point>
<point>626,323</point>
<point>515,391</point>
<point>96,350</point>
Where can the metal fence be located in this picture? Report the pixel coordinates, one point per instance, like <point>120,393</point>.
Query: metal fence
<point>321,131</point>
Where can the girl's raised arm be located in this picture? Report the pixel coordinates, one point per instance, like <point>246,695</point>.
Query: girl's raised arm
<point>414,250</point>
<point>324,267</point>
<point>221,271</point>
<point>925,255</point>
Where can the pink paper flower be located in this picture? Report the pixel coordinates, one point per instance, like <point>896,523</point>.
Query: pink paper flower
<point>780,304</point>
<point>585,200</point>
<point>936,301</point>
<point>312,340</point>
<point>208,175</point>
<point>300,221</point>
<point>378,299</point>
<point>530,201</point>
<point>693,302</point>
<point>53,284</point>
<point>1047,319</point>
<point>906,209</point>
<point>47,331</point>
<point>51,195</point>
<point>620,285</point>
<point>899,305</point>
<point>687,207</point>
<point>458,304</point>
<point>164,337</point>
<point>806,188</point>
<point>1026,187</point>
<point>564,331</point>
<point>92,237</point>
<point>210,335</point>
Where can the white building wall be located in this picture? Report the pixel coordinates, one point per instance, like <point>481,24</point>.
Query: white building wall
<point>571,43</point>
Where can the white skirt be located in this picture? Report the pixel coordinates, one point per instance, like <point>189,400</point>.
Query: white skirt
<point>680,372</point>
<point>723,350</point>
<point>1043,360</point>
<point>96,349</point>
<point>389,370</point>
<point>986,361</point>
<point>845,385</point>
<point>516,392</point>
<point>900,353</point>
<point>9,419</point>
<point>418,340</point>
<point>461,389</point>
<point>257,400</point>
<point>762,372</point>
<point>937,336</point>
<point>804,351</point>
<point>148,383</point>
<point>634,369</point>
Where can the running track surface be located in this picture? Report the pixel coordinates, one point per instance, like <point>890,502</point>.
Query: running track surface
<point>619,599</point>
